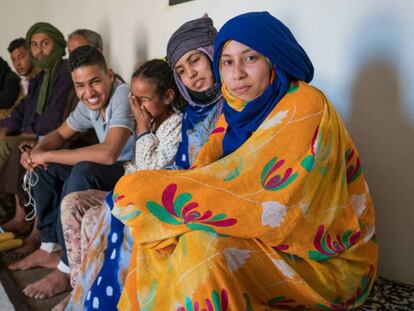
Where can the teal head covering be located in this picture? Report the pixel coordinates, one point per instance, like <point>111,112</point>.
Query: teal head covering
<point>51,62</point>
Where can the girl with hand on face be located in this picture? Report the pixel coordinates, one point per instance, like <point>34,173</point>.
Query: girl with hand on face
<point>145,122</point>
<point>158,129</point>
<point>279,218</point>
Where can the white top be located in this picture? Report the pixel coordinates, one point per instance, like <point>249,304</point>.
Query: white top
<point>157,150</point>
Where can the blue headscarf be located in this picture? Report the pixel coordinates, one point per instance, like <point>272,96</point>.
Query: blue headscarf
<point>271,38</point>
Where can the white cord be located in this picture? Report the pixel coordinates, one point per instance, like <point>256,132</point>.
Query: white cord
<point>30,179</point>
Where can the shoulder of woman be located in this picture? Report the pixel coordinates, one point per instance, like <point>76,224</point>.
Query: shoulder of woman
<point>307,95</point>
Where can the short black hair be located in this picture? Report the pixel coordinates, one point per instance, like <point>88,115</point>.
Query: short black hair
<point>87,55</point>
<point>17,43</point>
<point>159,72</point>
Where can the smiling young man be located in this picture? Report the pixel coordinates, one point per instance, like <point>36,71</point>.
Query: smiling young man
<point>104,107</point>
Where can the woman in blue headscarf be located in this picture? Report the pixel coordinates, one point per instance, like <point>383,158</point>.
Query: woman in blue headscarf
<point>277,214</point>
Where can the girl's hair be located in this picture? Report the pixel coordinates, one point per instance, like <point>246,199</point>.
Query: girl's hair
<point>159,72</point>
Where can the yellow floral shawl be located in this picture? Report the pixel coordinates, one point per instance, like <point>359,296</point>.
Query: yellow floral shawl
<point>286,221</point>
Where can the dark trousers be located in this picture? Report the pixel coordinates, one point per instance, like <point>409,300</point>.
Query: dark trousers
<point>59,180</point>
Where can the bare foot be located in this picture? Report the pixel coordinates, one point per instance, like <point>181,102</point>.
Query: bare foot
<point>17,224</point>
<point>39,258</point>
<point>54,283</point>
<point>30,244</point>
<point>62,305</point>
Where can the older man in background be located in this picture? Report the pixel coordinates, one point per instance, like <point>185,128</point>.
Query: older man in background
<point>81,37</point>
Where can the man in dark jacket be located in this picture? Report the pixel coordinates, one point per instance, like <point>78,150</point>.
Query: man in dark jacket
<point>40,112</point>
<point>9,85</point>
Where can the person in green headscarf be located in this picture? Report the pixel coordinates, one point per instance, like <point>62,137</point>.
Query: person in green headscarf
<point>47,47</point>
<point>40,112</point>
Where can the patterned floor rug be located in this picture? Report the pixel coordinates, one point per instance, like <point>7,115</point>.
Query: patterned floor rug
<point>385,295</point>
<point>390,295</point>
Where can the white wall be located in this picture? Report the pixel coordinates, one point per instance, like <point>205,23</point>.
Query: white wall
<point>362,52</point>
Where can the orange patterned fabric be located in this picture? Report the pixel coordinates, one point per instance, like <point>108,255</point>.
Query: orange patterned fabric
<point>286,221</point>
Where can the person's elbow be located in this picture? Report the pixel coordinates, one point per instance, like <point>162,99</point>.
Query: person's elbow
<point>109,156</point>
